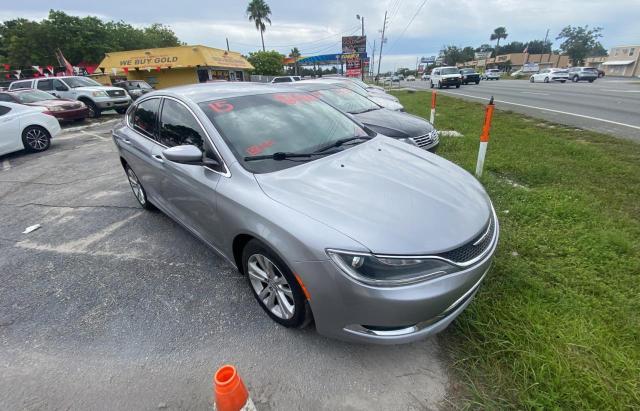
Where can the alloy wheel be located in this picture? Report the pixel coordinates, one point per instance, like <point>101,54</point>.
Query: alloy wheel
<point>37,139</point>
<point>138,191</point>
<point>271,287</point>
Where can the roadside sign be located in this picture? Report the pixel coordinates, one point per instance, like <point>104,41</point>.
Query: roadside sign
<point>354,44</point>
<point>530,68</point>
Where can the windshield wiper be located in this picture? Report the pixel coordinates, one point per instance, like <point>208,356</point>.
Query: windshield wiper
<point>340,142</point>
<point>279,156</point>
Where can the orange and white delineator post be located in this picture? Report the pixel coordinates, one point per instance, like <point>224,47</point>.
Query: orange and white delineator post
<point>484,137</point>
<point>230,392</point>
<point>433,107</point>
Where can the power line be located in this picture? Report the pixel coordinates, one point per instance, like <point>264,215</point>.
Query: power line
<point>350,31</point>
<point>408,24</point>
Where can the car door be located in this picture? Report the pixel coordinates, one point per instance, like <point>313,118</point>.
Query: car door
<point>138,141</point>
<point>10,138</point>
<point>46,85</point>
<point>62,90</point>
<point>189,190</point>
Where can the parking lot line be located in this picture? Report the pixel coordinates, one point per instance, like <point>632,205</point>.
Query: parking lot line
<point>547,109</point>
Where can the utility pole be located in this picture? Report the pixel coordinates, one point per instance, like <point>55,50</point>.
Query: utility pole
<point>384,26</point>
<point>228,44</point>
<point>546,36</point>
<point>361,18</point>
<point>372,66</point>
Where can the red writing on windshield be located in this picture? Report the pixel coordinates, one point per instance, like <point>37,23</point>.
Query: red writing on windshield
<point>221,106</point>
<point>259,148</point>
<point>294,98</point>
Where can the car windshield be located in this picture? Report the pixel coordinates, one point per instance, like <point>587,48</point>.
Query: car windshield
<point>450,70</point>
<point>346,100</point>
<point>139,84</point>
<point>75,82</point>
<point>353,87</point>
<point>33,96</point>
<point>264,124</point>
<point>589,69</point>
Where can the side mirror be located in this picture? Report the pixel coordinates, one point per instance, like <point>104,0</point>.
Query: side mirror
<point>184,155</point>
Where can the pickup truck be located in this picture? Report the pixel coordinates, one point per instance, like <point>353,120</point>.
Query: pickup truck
<point>93,94</point>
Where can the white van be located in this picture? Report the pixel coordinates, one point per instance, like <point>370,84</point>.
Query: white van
<point>445,77</point>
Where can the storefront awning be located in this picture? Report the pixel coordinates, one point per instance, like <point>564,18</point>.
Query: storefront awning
<point>618,63</point>
<point>174,57</point>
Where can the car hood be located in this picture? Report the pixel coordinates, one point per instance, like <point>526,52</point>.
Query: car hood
<point>387,195</point>
<point>386,103</point>
<point>394,124</point>
<point>98,88</point>
<point>53,102</point>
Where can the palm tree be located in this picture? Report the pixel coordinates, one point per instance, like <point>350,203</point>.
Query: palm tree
<point>295,54</point>
<point>258,11</point>
<point>498,33</point>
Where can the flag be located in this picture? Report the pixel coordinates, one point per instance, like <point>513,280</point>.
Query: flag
<point>126,70</point>
<point>50,68</point>
<point>7,67</point>
<point>158,69</point>
<point>38,69</point>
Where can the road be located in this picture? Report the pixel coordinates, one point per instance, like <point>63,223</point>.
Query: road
<point>108,306</point>
<point>609,105</point>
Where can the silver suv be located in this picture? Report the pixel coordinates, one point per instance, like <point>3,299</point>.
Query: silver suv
<point>93,94</point>
<point>589,74</point>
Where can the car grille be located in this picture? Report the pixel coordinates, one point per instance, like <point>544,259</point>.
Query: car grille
<point>115,93</point>
<point>426,140</point>
<point>473,248</point>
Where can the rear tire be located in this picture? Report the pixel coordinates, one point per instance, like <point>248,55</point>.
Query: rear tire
<point>477,82</point>
<point>36,139</point>
<point>137,188</point>
<point>274,286</point>
<point>531,80</point>
<point>546,79</point>
<point>591,81</point>
<point>457,85</point>
<point>575,79</point>
<point>563,81</point>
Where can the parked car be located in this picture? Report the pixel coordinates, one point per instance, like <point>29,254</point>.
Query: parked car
<point>366,86</point>
<point>285,79</point>
<point>395,79</point>
<point>62,109</point>
<point>491,74</point>
<point>445,77</point>
<point>327,220</point>
<point>550,74</point>
<point>577,74</point>
<point>410,78</point>
<point>379,97</point>
<point>93,94</point>
<point>25,128</point>
<point>405,127</point>
<point>425,77</point>
<point>135,88</point>
<point>469,75</point>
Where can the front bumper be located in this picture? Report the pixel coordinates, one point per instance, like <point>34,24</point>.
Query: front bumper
<point>454,81</point>
<point>352,311</point>
<point>69,115</point>
<point>108,103</point>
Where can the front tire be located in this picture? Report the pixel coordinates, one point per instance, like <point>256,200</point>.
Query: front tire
<point>546,79</point>
<point>575,79</point>
<point>531,80</point>
<point>457,85</point>
<point>274,286</point>
<point>36,139</point>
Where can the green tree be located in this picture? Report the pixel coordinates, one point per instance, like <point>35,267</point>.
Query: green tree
<point>267,63</point>
<point>467,54</point>
<point>451,55</point>
<point>579,42</point>
<point>259,12</point>
<point>539,47</point>
<point>498,33</point>
<point>598,51</point>
<point>295,54</point>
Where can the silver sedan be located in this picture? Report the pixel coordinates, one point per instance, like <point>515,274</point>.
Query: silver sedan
<point>373,239</point>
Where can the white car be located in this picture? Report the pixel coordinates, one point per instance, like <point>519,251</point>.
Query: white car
<point>445,77</point>
<point>425,77</point>
<point>94,95</point>
<point>550,74</point>
<point>25,128</point>
<point>491,74</point>
<point>411,78</point>
<point>285,79</point>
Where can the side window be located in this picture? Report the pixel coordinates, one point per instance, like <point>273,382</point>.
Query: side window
<point>4,110</point>
<point>145,116</point>
<point>178,127</point>
<point>45,85</point>
<point>59,85</point>
<point>20,84</point>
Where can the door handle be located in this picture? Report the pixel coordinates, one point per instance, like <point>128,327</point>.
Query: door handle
<point>126,141</point>
<point>158,158</point>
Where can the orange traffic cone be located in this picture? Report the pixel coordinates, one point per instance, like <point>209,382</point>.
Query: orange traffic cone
<point>229,391</point>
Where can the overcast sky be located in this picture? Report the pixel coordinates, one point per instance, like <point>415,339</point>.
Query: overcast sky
<point>316,26</point>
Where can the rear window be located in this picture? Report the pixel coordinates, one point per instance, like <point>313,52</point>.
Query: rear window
<point>450,70</point>
<point>589,69</point>
<point>20,84</point>
<point>346,100</point>
<point>282,80</point>
<point>33,96</point>
<point>280,122</point>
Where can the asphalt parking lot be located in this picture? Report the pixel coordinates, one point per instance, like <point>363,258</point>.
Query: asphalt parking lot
<point>110,306</point>
<point>609,105</point>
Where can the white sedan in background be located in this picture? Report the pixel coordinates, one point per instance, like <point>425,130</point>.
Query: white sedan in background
<point>25,128</point>
<point>550,74</point>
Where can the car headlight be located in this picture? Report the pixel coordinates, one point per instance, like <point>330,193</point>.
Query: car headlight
<point>54,108</point>
<point>408,141</point>
<point>389,271</point>
<point>100,94</point>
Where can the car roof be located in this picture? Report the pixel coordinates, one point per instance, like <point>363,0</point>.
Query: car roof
<point>310,85</point>
<point>202,92</point>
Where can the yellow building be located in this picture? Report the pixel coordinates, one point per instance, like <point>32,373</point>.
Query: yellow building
<point>173,66</point>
